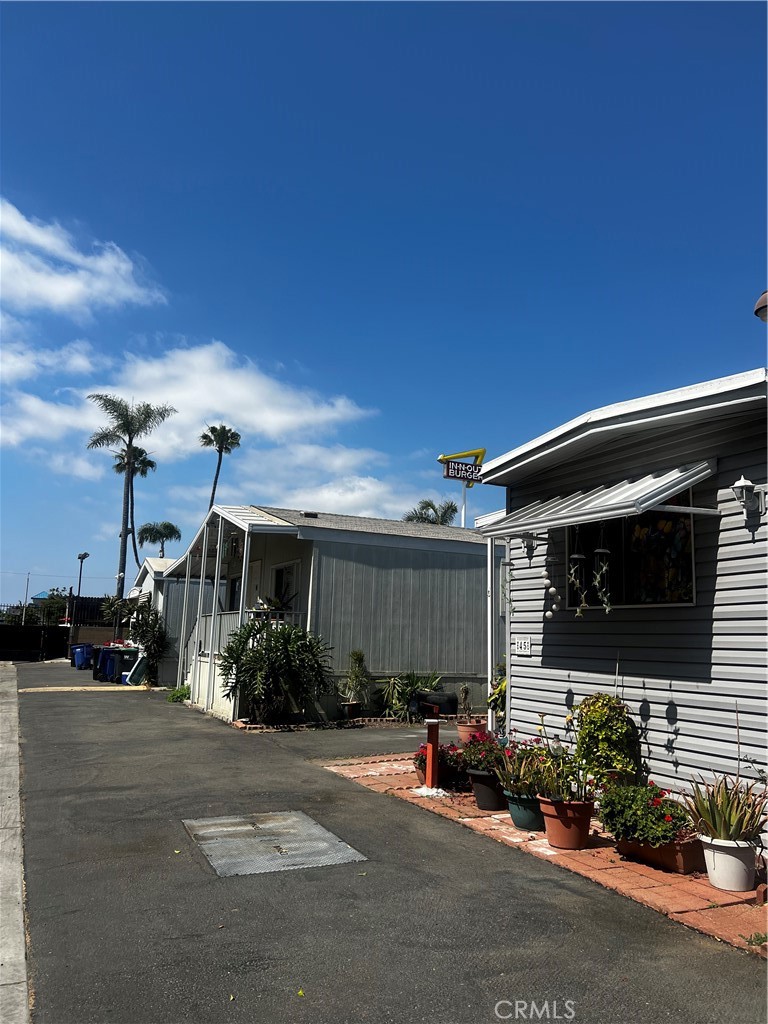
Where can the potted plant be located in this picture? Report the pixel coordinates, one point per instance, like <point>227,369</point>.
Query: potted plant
<point>482,755</point>
<point>520,777</point>
<point>468,723</point>
<point>651,827</point>
<point>729,816</point>
<point>354,689</point>
<point>450,766</point>
<point>567,800</point>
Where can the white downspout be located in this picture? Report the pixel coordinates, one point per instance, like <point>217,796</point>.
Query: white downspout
<point>244,574</point>
<point>508,637</point>
<point>490,630</point>
<point>195,689</point>
<point>214,644</point>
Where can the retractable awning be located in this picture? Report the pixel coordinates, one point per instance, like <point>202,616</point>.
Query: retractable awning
<point>628,498</point>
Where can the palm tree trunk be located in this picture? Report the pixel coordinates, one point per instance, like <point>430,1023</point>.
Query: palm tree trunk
<point>216,480</point>
<point>133,524</point>
<point>120,588</point>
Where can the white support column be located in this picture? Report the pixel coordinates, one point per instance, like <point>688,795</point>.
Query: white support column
<point>184,625</point>
<point>312,584</point>
<point>244,574</point>
<point>214,619</point>
<point>195,687</point>
<point>490,629</point>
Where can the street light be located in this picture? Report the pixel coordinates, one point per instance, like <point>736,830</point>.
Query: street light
<point>81,558</point>
<point>761,307</point>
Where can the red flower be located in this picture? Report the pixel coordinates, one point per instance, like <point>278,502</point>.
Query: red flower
<point>656,802</point>
<point>667,817</point>
<point>537,739</point>
<point>651,782</point>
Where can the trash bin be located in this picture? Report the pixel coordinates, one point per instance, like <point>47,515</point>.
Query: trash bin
<point>125,659</point>
<point>96,660</point>
<point>80,658</point>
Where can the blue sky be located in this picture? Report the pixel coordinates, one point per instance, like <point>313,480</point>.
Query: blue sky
<point>362,235</point>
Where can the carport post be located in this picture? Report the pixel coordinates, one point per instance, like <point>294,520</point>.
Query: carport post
<point>433,740</point>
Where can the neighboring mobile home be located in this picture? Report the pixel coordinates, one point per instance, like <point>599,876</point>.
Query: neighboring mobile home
<point>632,567</point>
<point>410,596</point>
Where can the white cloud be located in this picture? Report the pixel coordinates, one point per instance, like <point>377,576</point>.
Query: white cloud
<point>43,270</point>
<point>21,361</point>
<point>73,465</point>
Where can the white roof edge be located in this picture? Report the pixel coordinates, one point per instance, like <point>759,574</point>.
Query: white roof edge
<point>489,518</point>
<point>707,389</point>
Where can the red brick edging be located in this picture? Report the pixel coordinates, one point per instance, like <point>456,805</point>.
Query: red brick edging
<point>688,899</point>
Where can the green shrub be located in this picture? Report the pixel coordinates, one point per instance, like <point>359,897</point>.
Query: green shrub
<point>643,814</point>
<point>272,667</point>
<point>607,739</point>
<point>148,630</point>
<point>179,695</point>
<point>398,691</point>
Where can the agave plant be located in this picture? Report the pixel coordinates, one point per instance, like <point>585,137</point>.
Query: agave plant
<point>727,808</point>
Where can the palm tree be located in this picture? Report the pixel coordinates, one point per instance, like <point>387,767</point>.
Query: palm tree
<point>128,422</point>
<point>428,512</point>
<point>224,440</point>
<point>142,465</point>
<point>158,533</point>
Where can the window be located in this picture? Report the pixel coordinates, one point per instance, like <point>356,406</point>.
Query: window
<point>285,585</point>
<point>639,560</point>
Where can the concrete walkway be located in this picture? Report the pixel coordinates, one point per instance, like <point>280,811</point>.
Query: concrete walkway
<point>13,962</point>
<point>129,924</point>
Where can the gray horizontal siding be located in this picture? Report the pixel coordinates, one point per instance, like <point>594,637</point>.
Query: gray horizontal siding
<point>683,670</point>
<point>405,609</point>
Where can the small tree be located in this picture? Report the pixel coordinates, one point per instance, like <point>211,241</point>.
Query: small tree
<point>148,631</point>
<point>271,667</point>
<point>355,686</point>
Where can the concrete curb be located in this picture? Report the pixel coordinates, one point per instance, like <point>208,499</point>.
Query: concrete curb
<point>14,993</point>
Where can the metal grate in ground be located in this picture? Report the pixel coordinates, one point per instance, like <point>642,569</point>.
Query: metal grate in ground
<point>253,844</point>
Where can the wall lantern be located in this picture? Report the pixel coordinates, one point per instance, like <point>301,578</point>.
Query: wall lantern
<point>750,497</point>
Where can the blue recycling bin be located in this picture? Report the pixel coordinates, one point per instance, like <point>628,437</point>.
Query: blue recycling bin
<point>83,654</point>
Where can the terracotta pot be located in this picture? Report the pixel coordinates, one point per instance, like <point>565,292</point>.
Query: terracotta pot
<point>488,792</point>
<point>682,858</point>
<point>567,822</point>
<point>468,729</point>
<point>421,776</point>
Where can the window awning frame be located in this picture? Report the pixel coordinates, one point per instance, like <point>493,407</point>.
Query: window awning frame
<point>614,501</point>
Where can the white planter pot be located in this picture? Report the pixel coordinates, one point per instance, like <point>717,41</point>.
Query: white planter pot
<point>730,864</point>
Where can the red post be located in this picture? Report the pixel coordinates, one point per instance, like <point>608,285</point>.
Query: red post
<point>433,739</point>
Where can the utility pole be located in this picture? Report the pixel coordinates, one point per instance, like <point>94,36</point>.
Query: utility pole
<point>26,598</point>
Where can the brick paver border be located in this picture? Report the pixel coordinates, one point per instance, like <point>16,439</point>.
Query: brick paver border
<point>688,899</point>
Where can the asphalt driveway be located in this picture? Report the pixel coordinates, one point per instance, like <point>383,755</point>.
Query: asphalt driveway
<point>128,923</point>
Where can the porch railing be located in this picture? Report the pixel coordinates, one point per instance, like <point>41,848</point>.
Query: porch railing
<point>228,622</point>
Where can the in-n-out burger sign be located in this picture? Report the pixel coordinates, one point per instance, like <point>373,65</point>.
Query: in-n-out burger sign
<point>453,470</point>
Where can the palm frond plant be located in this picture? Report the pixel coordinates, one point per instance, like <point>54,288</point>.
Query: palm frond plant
<point>158,533</point>
<point>149,632</point>
<point>428,511</point>
<point>727,809</point>
<point>274,669</point>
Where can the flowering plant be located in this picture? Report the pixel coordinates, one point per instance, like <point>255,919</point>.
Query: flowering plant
<point>483,752</point>
<point>522,771</point>
<point>644,814</point>
<point>564,775</point>
<point>448,756</point>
